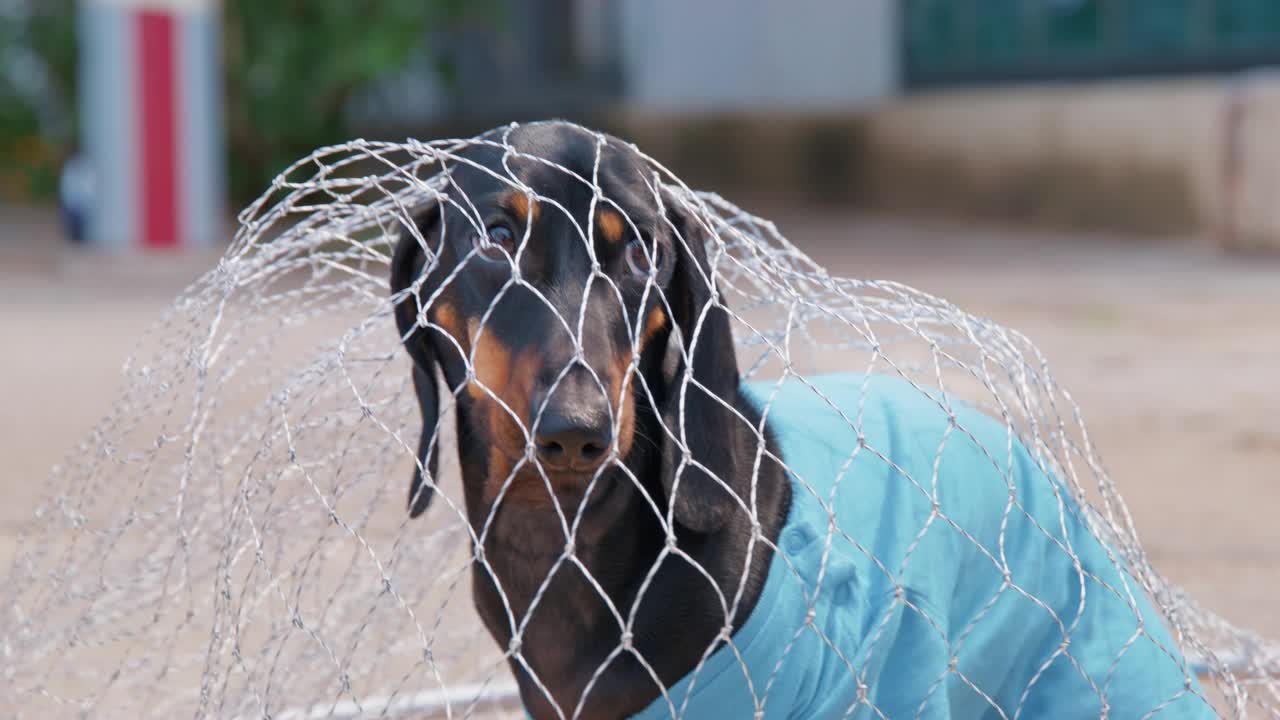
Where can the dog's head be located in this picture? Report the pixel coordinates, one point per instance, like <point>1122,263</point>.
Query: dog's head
<point>545,285</point>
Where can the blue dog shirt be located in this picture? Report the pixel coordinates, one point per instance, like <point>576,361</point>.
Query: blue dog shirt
<point>927,573</point>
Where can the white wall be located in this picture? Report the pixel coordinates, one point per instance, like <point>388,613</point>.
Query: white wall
<point>1109,127</point>
<point>707,55</point>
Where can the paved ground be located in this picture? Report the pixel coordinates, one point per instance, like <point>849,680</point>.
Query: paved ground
<point>1172,351</point>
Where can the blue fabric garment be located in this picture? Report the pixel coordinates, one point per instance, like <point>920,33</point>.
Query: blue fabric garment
<point>912,616</point>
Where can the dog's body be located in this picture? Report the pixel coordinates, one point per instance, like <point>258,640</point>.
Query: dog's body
<point>634,413</point>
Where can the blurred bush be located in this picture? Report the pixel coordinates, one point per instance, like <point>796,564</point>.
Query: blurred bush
<point>37,95</point>
<point>290,68</point>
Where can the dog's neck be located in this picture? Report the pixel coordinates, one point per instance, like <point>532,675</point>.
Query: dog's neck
<point>570,630</point>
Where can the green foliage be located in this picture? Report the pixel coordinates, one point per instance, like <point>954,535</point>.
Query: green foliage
<point>293,65</point>
<point>290,68</point>
<point>36,113</point>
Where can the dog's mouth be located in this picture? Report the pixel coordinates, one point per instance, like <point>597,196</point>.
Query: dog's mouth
<point>585,489</point>
<point>534,487</point>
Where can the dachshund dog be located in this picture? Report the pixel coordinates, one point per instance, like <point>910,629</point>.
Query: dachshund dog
<point>632,508</point>
<point>567,300</point>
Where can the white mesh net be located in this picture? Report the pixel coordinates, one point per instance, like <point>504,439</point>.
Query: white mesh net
<point>232,539</point>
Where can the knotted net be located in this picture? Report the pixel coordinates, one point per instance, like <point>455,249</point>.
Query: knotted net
<point>231,540</point>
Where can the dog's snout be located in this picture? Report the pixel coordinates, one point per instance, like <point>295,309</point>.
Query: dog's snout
<point>573,435</point>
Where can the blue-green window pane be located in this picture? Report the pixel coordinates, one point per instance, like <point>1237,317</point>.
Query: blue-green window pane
<point>1020,38</point>
<point>1248,23</point>
<point>1073,24</point>
<point>1158,24</point>
<point>999,30</point>
<point>933,32</point>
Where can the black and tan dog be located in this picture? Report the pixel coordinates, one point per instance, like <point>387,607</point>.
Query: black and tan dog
<point>572,423</point>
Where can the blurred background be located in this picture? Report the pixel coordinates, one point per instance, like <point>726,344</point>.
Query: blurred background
<point>1103,175</point>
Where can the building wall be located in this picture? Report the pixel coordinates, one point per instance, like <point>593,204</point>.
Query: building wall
<point>757,55</point>
<point>1136,155</point>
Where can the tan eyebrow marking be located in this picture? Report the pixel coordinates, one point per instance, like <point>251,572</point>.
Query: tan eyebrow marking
<point>525,208</point>
<point>611,225</point>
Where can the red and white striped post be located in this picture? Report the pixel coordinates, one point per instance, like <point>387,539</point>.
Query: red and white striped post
<point>151,100</point>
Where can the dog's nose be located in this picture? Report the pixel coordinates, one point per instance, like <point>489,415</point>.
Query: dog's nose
<point>568,440</point>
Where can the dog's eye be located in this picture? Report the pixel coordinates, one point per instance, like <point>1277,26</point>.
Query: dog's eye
<point>641,259</point>
<point>499,243</point>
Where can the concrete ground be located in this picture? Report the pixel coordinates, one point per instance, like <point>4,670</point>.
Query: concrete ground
<point>1172,351</point>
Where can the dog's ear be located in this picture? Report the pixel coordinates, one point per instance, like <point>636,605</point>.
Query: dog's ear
<point>411,260</point>
<point>698,482</point>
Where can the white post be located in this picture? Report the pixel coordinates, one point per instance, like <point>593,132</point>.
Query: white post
<point>151,109</point>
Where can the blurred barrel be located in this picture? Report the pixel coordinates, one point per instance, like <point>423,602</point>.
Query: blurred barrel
<point>151,122</point>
